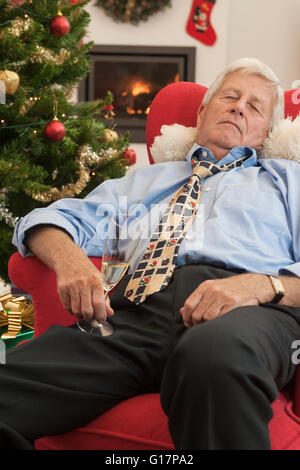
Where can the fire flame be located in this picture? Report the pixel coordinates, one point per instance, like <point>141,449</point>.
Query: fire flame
<point>136,87</point>
<point>140,87</point>
<point>130,110</point>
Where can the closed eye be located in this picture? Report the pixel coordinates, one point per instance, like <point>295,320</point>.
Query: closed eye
<point>255,108</point>
<point>230,98</point>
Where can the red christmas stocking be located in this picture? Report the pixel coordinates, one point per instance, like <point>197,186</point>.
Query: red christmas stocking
<point>199,25</point>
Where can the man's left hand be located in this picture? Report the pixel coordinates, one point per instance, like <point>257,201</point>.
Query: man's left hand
<point>216,297</point>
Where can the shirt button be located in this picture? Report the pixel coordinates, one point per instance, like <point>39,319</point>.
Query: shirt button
<point>189,236</point>
<point>207,189</point>
<point>200,216</point>
<point>204,153</point>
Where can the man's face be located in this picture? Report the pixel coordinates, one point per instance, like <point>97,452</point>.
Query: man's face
<point>239,114</point>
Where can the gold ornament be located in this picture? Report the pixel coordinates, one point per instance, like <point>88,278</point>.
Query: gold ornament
<point>17,311</point>
<point>110,136</point>
<point>11,80</point>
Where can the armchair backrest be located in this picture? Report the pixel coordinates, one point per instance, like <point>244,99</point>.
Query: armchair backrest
<point>179,103</point>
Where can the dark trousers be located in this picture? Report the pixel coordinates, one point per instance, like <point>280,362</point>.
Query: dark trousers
<point>217,380</point>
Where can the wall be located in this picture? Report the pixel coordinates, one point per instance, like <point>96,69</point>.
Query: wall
<point>268,30</point>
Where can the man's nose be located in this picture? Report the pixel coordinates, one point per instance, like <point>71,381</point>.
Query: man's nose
<point>239,107</point>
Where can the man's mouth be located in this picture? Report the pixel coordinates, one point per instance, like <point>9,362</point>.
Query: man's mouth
<point>233,124</point>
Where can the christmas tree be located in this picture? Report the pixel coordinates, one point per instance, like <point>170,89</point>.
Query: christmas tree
<point>50,148</point>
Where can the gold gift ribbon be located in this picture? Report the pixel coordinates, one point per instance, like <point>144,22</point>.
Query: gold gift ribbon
<point>17,311</point>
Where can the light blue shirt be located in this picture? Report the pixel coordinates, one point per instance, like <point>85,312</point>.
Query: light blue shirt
<point>248,218</point>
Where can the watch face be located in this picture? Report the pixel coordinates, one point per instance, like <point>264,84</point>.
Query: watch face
<point>278,285</point>
<point>279,289</point>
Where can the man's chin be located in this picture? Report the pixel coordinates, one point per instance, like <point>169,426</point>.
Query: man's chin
<point>227,144</point>
<point>226,140</point>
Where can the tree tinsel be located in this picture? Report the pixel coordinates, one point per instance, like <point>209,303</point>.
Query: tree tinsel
<point>35,171</point>
<point>132,11</point>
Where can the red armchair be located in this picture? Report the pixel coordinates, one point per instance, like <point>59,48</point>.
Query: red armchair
<point>139,423</point>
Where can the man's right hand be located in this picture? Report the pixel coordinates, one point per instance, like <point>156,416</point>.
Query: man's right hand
<point>80,289</point>
<point>79,282</point>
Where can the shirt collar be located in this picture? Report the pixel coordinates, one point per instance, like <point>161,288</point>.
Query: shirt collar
<point>235,154</point>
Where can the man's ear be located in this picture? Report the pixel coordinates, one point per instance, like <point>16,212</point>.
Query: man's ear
<point>200,114</point>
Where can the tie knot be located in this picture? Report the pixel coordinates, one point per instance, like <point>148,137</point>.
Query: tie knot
<point>204,168</point>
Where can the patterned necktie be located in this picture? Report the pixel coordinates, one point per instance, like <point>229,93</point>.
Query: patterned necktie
<point>155,269</point>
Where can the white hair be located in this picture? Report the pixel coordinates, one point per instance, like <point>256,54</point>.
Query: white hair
<point>251,67</point>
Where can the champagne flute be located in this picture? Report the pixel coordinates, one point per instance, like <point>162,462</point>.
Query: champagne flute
<point>114,266</point>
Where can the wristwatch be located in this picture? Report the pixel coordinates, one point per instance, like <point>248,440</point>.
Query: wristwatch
<point>278,287</point>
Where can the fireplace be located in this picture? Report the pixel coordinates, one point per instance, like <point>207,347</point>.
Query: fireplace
<point>135,74</point>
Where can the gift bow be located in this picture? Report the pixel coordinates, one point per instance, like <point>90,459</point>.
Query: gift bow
<point>17,311</point>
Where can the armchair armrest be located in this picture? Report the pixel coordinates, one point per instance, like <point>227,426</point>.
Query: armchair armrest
<point>35,278</point>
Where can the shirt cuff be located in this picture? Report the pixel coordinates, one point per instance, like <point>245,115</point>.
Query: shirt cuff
<point>40,217</point>
<point>292,270</point>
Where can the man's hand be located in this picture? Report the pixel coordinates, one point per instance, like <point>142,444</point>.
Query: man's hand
<point>80,289</point>
<point>216,297</point>
<point>78,280</point>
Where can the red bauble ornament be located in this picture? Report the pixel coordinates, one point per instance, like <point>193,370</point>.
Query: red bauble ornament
<point>55,130</point>
<point>60,25</point>
<point>130,157</point>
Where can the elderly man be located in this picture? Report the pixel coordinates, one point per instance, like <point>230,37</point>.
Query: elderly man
<point>214,335</point>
